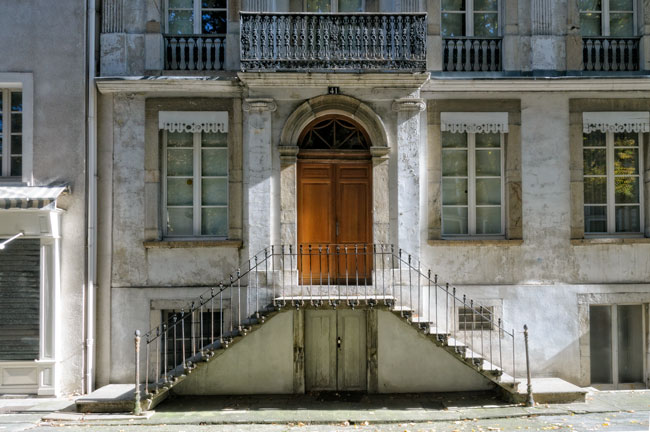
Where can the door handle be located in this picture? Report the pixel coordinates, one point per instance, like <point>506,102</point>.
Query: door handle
<point>338,342</point>
<point>337,228</point>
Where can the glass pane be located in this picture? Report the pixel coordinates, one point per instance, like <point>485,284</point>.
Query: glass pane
<point>454,163</point>
<point>0,122</point>
<point>181,22</point>
<point>454,191</point>
<point>486,5</point>
<point>350,6</point>
<point>448,5</point>
<point>626,139</point>
<point>600,344</point>
<point>453,24</point>
<point>16,101</point>
<point>454,139</point>
<point>595,190</point>
<point>488,140</point>
<point>630,344</point>
<point>214,162</point>
<point>454,220</point>
<point>590,24</point>
<point>215,4</point>
<point>179,162</point>
<point>488,192</point>
<point>214,192</point>
<point>626,161</point>
<point>318,6</point>
<point>488,220</point>
<point>628,219</point>
<point>16,168</point>
<point>486,24</point>
<point>1,173</point>
<point>217,139</point>
<point>179,139</point>
<point>181,4</point>
<point>591,5</point>
<point>626,190</point>
<point>621,5</point>
<point>214,222</point>
<point>213,22</point>
<point>595,219</point>
<point>179,191</point>
<point>16,145</point>
<point>594,139</point>
<point>621,24</point>
<point>16,122</point>
<point>594,161</point>
<point>180,221</point>
<point>488,162</point>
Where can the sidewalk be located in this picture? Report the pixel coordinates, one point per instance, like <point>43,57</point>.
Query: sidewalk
<point>351,409</point>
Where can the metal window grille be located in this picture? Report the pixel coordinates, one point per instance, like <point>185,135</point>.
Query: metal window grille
<point>479,318</point>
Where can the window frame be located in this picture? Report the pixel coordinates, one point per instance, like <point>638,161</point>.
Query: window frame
<point>7,133</point>
<point>611,188</point>
<point>605,13</point>
<point>197,176</point>
<point>469,19</point>
<point>196,12</point>
<point>471,192</point>
<point>334,5</point>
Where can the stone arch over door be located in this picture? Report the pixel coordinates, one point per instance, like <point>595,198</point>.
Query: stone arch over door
<point>307,113</point>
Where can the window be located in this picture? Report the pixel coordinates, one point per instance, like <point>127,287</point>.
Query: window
<point>196,16</point>
<point>191,331</point>
<point>612,182</point>
<point>607,17</point>
<point>472,184</point>
<point>478,18</point>
<point>334,5</point>
<point>195,189</point>
<point>479,318</point>
<point>11,133</point>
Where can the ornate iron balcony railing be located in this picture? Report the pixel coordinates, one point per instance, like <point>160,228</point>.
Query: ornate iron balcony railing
<point>195,52</point>
<point>333,41</point>
<point>610,54</point>
<point>471,54</point>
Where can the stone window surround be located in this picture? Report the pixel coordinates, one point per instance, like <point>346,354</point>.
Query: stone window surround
<point>586,300</point>
<point>576,109</point>
<point>512,173</point>
<point>24,82</point>
<point>153,167</point>
<point>304,114</point>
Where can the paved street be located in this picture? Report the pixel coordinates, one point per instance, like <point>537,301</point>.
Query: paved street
<point>603,411</point>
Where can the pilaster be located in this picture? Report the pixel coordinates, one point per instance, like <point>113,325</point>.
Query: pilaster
<point>257,172</point>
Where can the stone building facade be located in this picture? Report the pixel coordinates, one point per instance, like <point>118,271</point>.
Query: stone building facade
<point>503,144</point>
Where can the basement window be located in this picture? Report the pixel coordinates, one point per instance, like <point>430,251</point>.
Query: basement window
<point>479,318</point>
<point>190,334</point>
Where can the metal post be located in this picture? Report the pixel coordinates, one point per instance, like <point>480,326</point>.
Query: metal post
<point>529,401</point>
<point>137,410</point>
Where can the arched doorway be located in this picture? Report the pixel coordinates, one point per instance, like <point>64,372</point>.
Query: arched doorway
<point>334,203</point>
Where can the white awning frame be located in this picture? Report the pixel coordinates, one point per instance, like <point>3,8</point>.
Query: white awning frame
<point>193,121</point>
<point>474,122</point>
<point>616,121</point>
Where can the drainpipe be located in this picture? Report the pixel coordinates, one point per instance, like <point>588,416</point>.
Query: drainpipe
<point>91,128</point>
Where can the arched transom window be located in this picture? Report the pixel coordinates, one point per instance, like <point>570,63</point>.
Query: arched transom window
<point>334,134</point>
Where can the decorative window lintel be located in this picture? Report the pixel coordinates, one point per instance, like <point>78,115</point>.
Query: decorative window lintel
<point>193,121</point>
<point>616,122</point>
<point>474,122</point>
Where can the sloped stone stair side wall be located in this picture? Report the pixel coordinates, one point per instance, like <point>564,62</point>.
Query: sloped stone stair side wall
<point>409,362</point>
<point>261,363</point>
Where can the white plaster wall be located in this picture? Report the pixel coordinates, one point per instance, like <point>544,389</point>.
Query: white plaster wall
<point>261,363</point>
<point>407,362</point>
<point>54,55</point>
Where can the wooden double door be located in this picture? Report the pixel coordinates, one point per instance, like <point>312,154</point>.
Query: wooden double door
<point>335,222</point>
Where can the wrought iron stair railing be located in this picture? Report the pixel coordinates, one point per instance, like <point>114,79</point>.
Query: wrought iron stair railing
<point>325,276</point>
<point>303,41</point>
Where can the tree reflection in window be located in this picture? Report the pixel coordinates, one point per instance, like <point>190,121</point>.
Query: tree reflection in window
<point>334,134</point>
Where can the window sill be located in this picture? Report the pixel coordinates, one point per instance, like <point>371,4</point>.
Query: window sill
<point>174,244</point>
<point>610,241</point>
<point>476,242</point>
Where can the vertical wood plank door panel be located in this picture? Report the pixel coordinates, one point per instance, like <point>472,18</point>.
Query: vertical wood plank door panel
<point>352,353</point>
<point>335,208</point>
<point>320,350</point>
